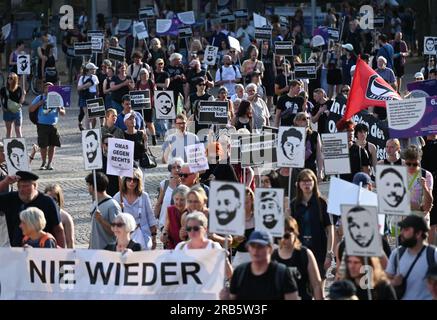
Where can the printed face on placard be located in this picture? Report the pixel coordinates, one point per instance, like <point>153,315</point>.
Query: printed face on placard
<point>290,143</point>
<point>165,103</point>
<point>16,154</point>
<point>360,228</point>
<point>270,209</point>
<point>391,187</point>
<point>429,44</point>
<point>91,146</point>
<point>228,201</point>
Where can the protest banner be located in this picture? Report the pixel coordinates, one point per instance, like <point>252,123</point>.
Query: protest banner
<point>117,54</point>
<point>430,45</point>
<point>291,147</point>
<point>58,96</point>
<point>269,211</point>
<point>187,17</point>
<point>258,150</point>
<point>140,99</point>
<point>263,33</point>
<point>91,149</point>
<point>120,157</point>
<point>284,48</point>
<point>211,55</point>
<point>241,14</point>
<point>140,30</point>
<point>164,105</point>
<point>236,147</point>
<point>146,13</point>
<point>104,275</point>
<point>334,34</point>
<point>213,112</point>
<point>15,154</point>
<point>393,191</point>
<point>23,64</point>
<point>95,33</point>
<point>360,228</point>
<point>97,44</point>
<point>305,70</point>
<point>95,108</point>
<point>82,48</point>
<point>226,208</point>
<point>196,157</point>
<point>185,31</point>
<point>335,153</point>
<point>412,117</point>
<point>420,89</point>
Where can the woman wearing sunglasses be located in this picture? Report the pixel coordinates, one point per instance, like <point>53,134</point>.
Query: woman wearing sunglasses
<point>122,226</point>
<point>301,261</point>
<point>420,185</point>
<point>196,201</point>
<point>12,97</point>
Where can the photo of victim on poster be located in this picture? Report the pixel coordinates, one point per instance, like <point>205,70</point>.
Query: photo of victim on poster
<point>392,189</point>
<point>269,211</point>
<point>360,228</point>
<point>226,208</point>
<point>291,147</point>
<point>15,151</point>
<point>164,105</point>
<point>91,149</point>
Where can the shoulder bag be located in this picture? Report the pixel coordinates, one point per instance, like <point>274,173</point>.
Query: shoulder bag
<point>13,106</point>
<point>148,160</point>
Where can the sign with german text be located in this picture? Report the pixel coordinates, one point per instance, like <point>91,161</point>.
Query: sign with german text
<point>95,108</point>
<point>305,70</point>
<point>117,54</point>
<point>336,153</point>
<point>140,99</point>
<point>284,48</point>
<point>82,48</point>
<point>213,112</point>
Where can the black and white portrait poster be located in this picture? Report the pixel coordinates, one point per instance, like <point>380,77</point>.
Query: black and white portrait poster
<point>91,149</point>
<point>226,208</point>
<point>269,211</point>
<point>360,228</point>
<point>164,105</point>
<point>392,190</point>
<point>291,147</point>
<point>15,151</point>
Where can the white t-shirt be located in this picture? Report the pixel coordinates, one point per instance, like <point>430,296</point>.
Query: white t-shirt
<point>260,113</point>
<point>228,73</point>
<point>93,88</point>
<point>166,202</point>
<point>211,245</point>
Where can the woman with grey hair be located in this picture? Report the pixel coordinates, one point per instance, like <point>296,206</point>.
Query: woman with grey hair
<point>260,111</point>
<point>145,83</point>
<point>122,226</point>
<point>32,224</point>
<point>170,233</point>
<point>177,76</point>
<point>166,188</point>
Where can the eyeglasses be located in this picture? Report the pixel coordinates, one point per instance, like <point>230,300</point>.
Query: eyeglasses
<point>411,164</point>
<point>117,224</point>
<point>10,78</point>
<point>184,175</point>
<point>194,228</point>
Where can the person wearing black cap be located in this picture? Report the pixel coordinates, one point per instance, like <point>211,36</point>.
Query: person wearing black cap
<point>13,203</point>
<point>411,260</point>
<point>431,281</point>
<point>342,290</point>
<point>262,279</point>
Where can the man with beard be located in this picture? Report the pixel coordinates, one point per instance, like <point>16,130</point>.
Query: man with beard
<point>415,254</point>
<point>91,145</point>
<point>360,230</point>
<point>270,209</point>
<point>291,139</point>
<point>392,187</point>
<point>228,202</point>
<point>164,102</point>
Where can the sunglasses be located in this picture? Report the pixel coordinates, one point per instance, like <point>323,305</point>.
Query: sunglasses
<point>194,228</point>
<point>132,179</point>
<point>117,224</point>
<point>411,164</point>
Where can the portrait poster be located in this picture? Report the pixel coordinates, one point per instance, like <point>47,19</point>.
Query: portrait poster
<point>291,147</point>
<point>91,149</point>
<point>269,211</point>
<point>392,189</point>
<point>16,157</point>
<point>164,105</point>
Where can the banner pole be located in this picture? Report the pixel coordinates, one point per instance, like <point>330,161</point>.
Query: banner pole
<point>226,256</point>
<point>289,183</point>
<point>120,185</point>
<point>369,284</point>
<point>95,190</point>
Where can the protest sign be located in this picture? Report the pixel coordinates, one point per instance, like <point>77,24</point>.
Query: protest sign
<point>196,157</point>
<point>234,44</point>
<point>95,108</point>
<point>105,275</point>
<point>163,26</point>
<point>284,21</point>
<point>23,64</point>
<point>360,228</point>
<point>140,30</point>
<point>227,18</point>
<point>241,14</point>
<point>392,189</point>
<point>226,208</point>
<point>6,30</point>
<point>82,49</point>
<point>94,33</point>
<point>420,89</point>
<point>146,12</point>
<point>164,105</point>
<point>187,17</point>
<point>140,99</point>
<point>334,34</point>
<point>305,70</point>
<point>263,33</point>
<point>120,157</point>
<point>269,211</point>
<point>211,55</point>
<point>236,146</point>
<point>213,112</point>
<point>91,149</point>
<point>429,45</point>
<point>58,96</point>
<point>258,150</point>
<point>335,153</point>
<point>185,31</point>
<point>291,147</point>
<point>124,26</point>
<point>15,153</point>
<point>117,54</point>
<point>378,22</point>
<point>284,48</point>
<point>412,117</point>
<point>259,21</point>
<point>97,44</point>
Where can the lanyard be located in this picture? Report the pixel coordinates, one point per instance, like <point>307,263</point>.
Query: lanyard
<point>411,183</point>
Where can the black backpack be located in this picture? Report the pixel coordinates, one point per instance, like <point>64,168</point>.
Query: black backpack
<point>33,115</point>
<point>430,256</point>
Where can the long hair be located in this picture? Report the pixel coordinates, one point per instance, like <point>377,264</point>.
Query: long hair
<point>138,174</point>
<point>243,108</point>
<point>291,224</point>
<point>57,192</point>
<point>304,175</point>
<point>378,274</point>
<point>14,83</point>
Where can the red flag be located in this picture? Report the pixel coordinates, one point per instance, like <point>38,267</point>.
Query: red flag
<point>368,90</point>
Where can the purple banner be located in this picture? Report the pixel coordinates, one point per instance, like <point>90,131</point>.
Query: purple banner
<point>412,117</point>
<point>426,88</point>
<point>64,92</point>
<point>322,31</point>
<point>169,30</point>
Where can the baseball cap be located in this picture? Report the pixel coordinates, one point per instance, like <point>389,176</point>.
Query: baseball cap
<point>362,177</point>
<point>419,75</point>
<point>26,176</point>
<point>414,221</point>
<point>91,66</point>
<point>260,237</point>
<point>48,84</point>
<point>432,272</point>
<point>342,290</point>
<point>348,47</point>
<point>128,115</point>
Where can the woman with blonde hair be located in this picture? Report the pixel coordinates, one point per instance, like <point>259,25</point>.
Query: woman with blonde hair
<point>137,202</point>
<point>12,97</point>
<point>55,192</point>
<point>32,224</point>
<point>301,260</point>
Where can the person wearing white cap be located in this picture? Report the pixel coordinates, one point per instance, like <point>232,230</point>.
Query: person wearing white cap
<point>386,73</point>
<point>348,59</point>
<point>418,76</point>
<point>88,89</point>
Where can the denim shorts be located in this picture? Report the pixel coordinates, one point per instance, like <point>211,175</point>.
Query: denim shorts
<point>16,118</point>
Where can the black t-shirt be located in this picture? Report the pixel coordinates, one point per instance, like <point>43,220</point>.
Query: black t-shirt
<point>118,94</point>
<point>14,96</point>
<point>160,77</point>
<point>194,106</point>
<point>12,205</point>
<point>289,107</point>
<point>138,140</point>
<point>175,84</point>
<point>382,291</point>
<point>262,287</point>
<point>323,119</point>
<point>193,75</point>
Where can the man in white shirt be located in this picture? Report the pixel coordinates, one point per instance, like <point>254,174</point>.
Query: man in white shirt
<point>228,75</point>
